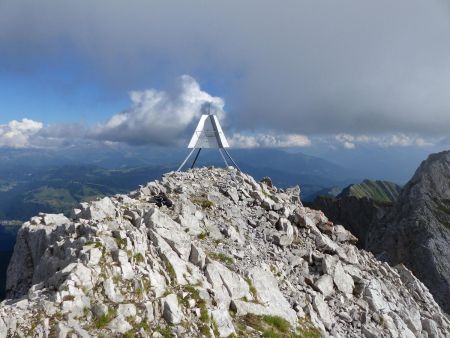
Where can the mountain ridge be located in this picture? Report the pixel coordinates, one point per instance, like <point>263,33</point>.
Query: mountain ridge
<point>378,190</point>
<point>208,252</point>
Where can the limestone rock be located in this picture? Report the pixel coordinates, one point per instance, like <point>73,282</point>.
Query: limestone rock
<point>197,257</point>
<point>325,285</point>
<point>342,280</point>
<point>98,210</point>
<point>322,310</point>
<point>224,322</point>
<point>171,311</point>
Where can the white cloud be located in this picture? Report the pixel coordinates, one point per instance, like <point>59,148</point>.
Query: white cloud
<point>349,141</point>
<point>160,117</point>
<point>17,134</point>
<point>28,133</point>
<point>270,140</point>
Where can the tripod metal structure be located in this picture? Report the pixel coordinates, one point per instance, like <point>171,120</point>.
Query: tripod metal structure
<point>208,134</point>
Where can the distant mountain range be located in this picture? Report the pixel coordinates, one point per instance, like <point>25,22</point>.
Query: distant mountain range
<point>52,181</point>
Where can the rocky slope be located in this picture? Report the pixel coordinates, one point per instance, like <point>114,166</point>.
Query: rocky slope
<point>361,207</point>
<point>212,253</point>
<point>359,215</point>
<point>417,231</point>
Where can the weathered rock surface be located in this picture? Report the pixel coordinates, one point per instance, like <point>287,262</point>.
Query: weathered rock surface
<point>212,253</point>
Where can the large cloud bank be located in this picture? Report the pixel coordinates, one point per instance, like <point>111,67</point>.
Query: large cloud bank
<point>155,116</point>
<point>298,67</point>
<point>168,118</point>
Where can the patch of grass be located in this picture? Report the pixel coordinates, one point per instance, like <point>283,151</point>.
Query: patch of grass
<point>215,328</point>
<point>58,316</point>
<point>252,289</point>
<point>171,272</point>
<point>310,332</point>
<point>103,320</point>
<point>116,279</point>
<point>139,292</point>
<point>221,257</point>
<point>129,334</point>
<point>121,242</point>
<point>203,235</point>
<point>139,258</point>
<point>146,284</point>
<point>270,333</point>
<point>204,316</point>
<point>136,328</point>
<point>276,322</point>
<point>201,304</point>
<point>203,202</point>
<point>165,332</point>
<point>268,326</point>
<point>145,326</point>
<point>205,331</point>
<point>183,301</point>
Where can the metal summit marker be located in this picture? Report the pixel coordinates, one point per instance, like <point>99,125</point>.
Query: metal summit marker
<point>208,134</point>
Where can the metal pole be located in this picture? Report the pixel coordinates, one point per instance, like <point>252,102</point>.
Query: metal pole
<point>185,160</point>
<point>231,159</point>
<point>196,156</point>
<point>223,157</point>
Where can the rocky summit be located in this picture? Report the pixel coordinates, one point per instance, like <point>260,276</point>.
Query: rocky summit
<point>206,253</point>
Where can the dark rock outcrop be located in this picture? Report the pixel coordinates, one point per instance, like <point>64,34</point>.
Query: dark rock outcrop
<point>417,231</point>
<point>360,215</point>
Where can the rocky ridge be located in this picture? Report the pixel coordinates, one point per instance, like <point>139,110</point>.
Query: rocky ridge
<point>416,231</point>
<point>208,252</point>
